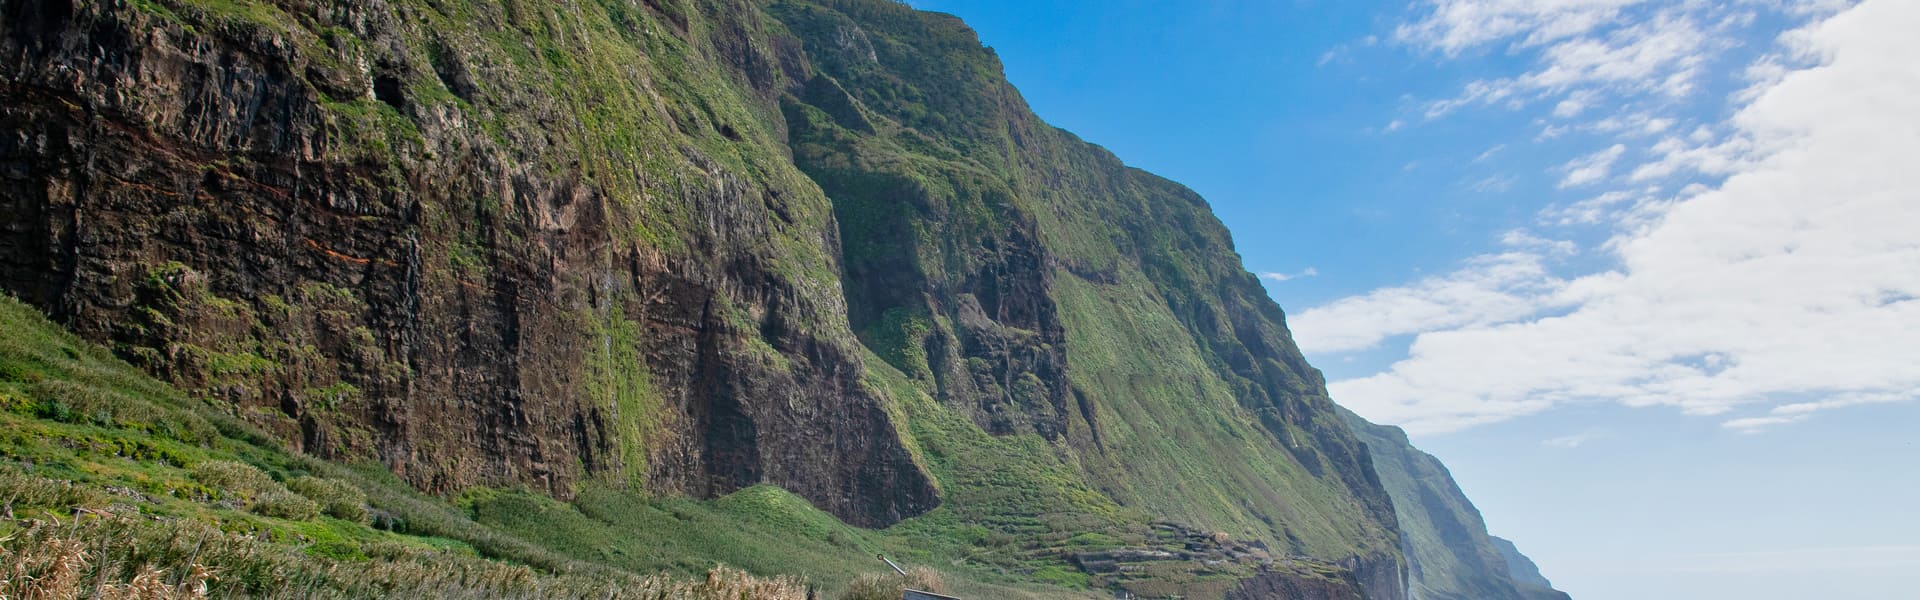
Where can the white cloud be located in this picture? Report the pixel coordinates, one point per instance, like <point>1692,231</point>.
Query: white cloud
<point>1592,167</point>
<point>1590,211</point>
<point>1493,184</point>
<point>1584,53</point>
<point>1638,124</point>
<point>1278,277</point>
<point>1454,26</point>
<point>1800,411</point>
<point>1788,278</point>
<point>1575,440</point>
<point>1526,240</point>
<point>1573,105</point>
<point>1663,54</point>
<point>1493,289</point>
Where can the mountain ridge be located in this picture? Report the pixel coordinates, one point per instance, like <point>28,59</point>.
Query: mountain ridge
<point>679,248</point>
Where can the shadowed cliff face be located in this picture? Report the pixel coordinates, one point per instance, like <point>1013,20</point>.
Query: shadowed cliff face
<point>661,245</point>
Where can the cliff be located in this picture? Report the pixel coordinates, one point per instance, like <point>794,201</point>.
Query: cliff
<point>673,248</point>
<point>1449,552</point>
<point>1526,575</point>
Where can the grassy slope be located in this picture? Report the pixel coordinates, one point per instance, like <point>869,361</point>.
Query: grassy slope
<point>105,437</point>
<point>77,419</point>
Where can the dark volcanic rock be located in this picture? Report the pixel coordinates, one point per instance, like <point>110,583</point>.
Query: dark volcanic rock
<point>277,219</point>
<point>1277,586</point>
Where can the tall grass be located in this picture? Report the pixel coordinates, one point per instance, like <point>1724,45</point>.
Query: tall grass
<point>105,555</point>
<point>889,586</point>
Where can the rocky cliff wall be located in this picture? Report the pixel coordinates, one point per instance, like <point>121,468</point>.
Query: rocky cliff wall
<point>395,233</point>
<point>674,245</point>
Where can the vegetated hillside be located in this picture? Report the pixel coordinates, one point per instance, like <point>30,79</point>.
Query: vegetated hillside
<point>618,254</point>
<point>1448,549</point>
<point>107,474</point>
<point>104,471</point>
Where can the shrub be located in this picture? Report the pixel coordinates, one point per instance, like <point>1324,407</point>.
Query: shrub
<point>873,586</point>
<point>18,490</point>
<point>234,479</point>
<point>282,504</point>
<point>888,586</point>
<point>337,498</point>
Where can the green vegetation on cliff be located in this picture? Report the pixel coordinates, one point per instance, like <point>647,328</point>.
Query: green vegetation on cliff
<point>979,237</point>
<point>144,476</point>
<point>631,286</point>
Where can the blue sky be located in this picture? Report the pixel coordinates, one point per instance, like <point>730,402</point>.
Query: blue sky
<point>1644,274</point>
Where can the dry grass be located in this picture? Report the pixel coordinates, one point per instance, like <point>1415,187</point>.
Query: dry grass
<point>18,489</point>
<point>262,495</point>
<point>233,479</point>
<point>50,566</point>
<point>338,498</point>
<point>115,557</point>
<point>888,586</point>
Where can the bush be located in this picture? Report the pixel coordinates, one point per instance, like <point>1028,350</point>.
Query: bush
<point>263,495</point>
<point>889,586</point>
<point>337,498</point>
<point>234,479</point>
<point>19,490</point>
<point>282,504</point>
<point>873,586</point>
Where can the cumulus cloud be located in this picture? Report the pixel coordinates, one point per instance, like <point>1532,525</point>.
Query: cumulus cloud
<point>1787,283</point>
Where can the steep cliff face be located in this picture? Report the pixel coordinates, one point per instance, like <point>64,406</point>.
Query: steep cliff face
<point>681,246</point>
<point>1450,554</point>
<point>1526,575</point>
<point>484,244</point>
<point>1036,282</point>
